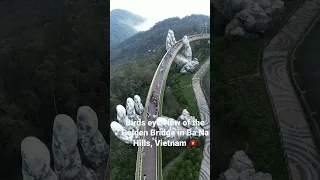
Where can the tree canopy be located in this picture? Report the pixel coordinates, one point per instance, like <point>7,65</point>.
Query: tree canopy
<point>145,40</point>
<point>122,25</point>
<point>52,60</point>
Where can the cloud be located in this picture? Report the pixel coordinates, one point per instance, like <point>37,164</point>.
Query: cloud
<point>158,10</point>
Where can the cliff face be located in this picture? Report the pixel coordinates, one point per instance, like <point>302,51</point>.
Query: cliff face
<point>241,168</point>
<point>249,16</point>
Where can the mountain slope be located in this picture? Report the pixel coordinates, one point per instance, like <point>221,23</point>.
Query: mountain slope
<point>145,40</point>
<point>122,25</point>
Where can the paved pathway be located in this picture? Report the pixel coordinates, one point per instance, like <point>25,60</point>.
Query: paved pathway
<point>205,116</point>
<point>302,157</point>
<point>149,160</point>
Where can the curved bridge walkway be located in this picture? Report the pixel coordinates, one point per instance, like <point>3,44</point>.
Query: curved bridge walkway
<point>302,157</point>
<point>205,116</point>
<point>147,164</point>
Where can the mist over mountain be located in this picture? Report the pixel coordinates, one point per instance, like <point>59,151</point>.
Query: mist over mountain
<point>122,25</point>
<point>145,40</point>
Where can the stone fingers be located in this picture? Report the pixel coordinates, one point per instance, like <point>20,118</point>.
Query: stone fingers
<point>93,144</point>
<point>121,133</point>
<point>138,105</point>
<point>67,161</point>
<point>36,160</point>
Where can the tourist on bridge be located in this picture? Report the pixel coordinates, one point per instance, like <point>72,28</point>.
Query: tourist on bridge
<point>144,177</point>
<point>157,86</point>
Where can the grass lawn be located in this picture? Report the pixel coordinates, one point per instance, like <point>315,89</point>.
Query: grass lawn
<point>249,96</point>
<point>243,119</point>
<point>179,95</point>
<point>307,65</point>
<point>122,160</point>
<point>206,85</point>
<point>252,106</point>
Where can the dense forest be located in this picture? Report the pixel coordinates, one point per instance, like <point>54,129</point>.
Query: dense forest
<point>241,114</point>
<point>133,75</point>
<point>122,25</point>
<point>143,41</point>
<point>53,59</point>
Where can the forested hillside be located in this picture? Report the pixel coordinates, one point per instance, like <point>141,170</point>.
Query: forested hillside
<point>122,25</point>
<point>127,77</point>
<point>143,41</point>
<point>133,73</point>
<point>52,60</point>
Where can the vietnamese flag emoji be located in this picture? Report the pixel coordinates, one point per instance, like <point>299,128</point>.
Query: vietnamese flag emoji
<point>193,143</point>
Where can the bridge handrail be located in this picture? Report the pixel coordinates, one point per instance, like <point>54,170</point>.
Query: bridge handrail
<point>142,128</point>
<point>313,126</point>
<point>166,73</point>
<point>138,171</point>
<point>163,83</point>
<point>260,67</point>
<point>201,85</point>
<point>139,162</point>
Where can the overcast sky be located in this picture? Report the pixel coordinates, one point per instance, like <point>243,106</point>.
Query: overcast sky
<point>158,10</point>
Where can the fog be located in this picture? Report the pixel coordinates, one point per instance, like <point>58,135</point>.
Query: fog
<point>158,10</point>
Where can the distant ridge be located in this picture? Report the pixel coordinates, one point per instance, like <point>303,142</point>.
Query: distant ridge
<point>145,40</point>
<point>122,25</point>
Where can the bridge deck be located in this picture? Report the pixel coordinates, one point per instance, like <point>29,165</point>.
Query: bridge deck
<point>302,156</point>
<point>149,164</point>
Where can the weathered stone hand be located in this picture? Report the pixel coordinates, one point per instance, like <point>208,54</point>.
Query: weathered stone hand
<point>184,58</point>
<point>185,125</point>
<point>129,120</point>
<point>171,40</point>
<point>249,18</point>
<point>66,156</point>
<point>241,167</point>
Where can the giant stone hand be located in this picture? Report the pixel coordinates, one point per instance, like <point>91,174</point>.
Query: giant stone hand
<point>66,156</point>
<point>171,40</point>
<point>185,125</point>
<point>184,57</point>
<point>129,119</point>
